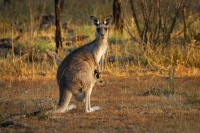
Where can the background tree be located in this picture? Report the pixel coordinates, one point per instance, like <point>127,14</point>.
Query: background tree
<point>61,4</point>
<point>156,21</point>
<point>58,26</point>
<point>117,14</point>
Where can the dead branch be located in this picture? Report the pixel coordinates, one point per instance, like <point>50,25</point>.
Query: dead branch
<point>15,123</point>
<point>135,17</point>
<point>167,37</point>
<point>54,55</point>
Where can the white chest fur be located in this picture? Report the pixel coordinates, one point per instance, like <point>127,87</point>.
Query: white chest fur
<point>101,51</point>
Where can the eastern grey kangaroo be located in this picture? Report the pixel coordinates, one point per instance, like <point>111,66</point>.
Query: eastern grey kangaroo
<point>78,72</point>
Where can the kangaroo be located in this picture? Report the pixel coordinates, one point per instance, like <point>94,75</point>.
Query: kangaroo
<point>78,72</point>
<point>76,77</point>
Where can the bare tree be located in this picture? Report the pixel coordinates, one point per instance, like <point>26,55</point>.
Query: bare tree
<point>117,14</point>
<point>58,26</point>
<point>155,20</point>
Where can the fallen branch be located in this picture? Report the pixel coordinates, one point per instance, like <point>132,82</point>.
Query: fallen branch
<point>53,55</point>
<point>15,123</point>
<point>7,43</point>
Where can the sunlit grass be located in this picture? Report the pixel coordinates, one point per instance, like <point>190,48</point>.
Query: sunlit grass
<point>121,46</point>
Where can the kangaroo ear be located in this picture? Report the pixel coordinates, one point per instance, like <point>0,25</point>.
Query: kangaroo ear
<point>94,20</point>
<point>107,20</point>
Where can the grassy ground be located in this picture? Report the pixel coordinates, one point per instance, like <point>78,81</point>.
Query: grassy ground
<point>128,104</point>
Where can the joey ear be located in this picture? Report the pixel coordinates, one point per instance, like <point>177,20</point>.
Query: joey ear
<point>107,20</point>
<point>94,20</point>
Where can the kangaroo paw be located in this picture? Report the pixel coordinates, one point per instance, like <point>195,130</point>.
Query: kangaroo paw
<point>71,106</point>
<point>93,109</point>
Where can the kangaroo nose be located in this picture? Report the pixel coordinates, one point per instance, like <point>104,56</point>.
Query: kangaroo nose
<point>102,36</point>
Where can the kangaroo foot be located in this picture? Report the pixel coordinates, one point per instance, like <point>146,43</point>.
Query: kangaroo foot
<point>93,109</point>
<point>71,106</point>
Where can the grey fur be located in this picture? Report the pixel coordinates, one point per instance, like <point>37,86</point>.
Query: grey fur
<point>76,75</point>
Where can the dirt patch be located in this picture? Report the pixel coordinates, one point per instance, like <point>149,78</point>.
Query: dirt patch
<point>123,108</point>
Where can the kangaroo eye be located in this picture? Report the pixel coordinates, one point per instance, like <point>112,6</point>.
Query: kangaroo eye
<point>106,29</point>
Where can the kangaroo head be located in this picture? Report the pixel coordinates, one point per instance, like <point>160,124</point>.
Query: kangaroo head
<point>101,28</point>
<point>100,82</point>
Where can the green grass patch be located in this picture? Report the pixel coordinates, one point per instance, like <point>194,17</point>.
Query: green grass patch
<point>193,99</point>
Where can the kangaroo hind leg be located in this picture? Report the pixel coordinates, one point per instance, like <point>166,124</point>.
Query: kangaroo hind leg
<point>88,107</point>
<point>63,105</point>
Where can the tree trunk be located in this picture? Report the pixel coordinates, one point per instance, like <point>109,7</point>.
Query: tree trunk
<point>135,17</point>
<point>58,26</point>
<point>117,14</point>
<point>61,4</point>
<point>186,37</point>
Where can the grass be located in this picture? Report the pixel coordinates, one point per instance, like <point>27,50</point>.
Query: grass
<point>193,99</point>
<point>43,116</point>
<point>120,45</point>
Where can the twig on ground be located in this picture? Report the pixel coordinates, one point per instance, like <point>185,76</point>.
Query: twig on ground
<point>15,123</point>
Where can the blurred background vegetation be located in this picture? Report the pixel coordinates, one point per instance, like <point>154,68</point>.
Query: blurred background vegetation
<point>78,11</point>
<point>149,37</point>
